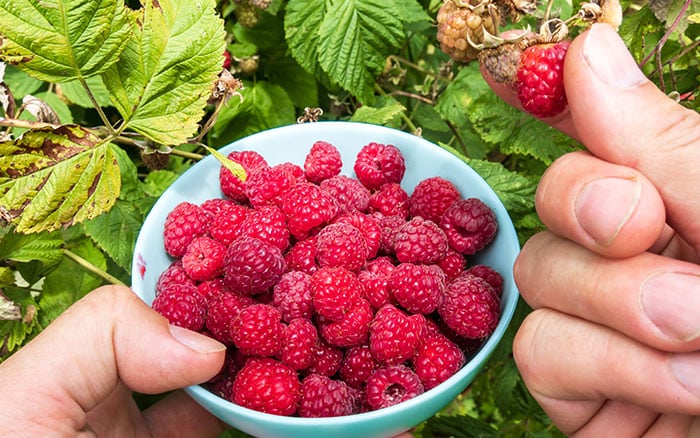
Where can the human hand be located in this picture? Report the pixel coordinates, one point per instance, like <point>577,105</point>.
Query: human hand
<point>612,343</point>
<point>76,377</point>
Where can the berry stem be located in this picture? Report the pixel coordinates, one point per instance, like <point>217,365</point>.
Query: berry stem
<point>92,268</point>
<point>403,116</point>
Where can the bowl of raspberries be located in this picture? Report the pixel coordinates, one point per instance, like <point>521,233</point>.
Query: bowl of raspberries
<point>360,277</point>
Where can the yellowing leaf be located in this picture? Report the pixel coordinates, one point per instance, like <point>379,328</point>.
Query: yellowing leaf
<point>56,177</point>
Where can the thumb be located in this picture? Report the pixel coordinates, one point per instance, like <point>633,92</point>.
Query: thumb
<point>108,336</point>
<point>623,118</point>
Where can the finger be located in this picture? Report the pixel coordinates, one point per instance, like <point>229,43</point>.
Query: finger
<point>650,298</point>
<point>635,421</point>
<point>630,122</point>
<point>108,336</point>
<point>572,366</point>
<point>610,209</point>
<point>179,415</point>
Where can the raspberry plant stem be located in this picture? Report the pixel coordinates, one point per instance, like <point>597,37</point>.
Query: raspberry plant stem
<point>92,268</point>
<point>404,117</point>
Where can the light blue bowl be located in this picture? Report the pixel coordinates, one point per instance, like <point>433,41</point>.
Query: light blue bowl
<point>291,144</point>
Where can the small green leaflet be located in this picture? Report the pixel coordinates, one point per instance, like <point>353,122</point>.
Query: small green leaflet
<point>56,177</point>
<point>378,116</point>
<point>236,169</point>
<point>161,84</point>
<point>62,40</point>
<point>44,247</point>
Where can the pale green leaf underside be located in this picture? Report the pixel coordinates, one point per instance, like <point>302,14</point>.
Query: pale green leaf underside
<point>62,40</point>
<point>51,178</point>
<point>165,75</point>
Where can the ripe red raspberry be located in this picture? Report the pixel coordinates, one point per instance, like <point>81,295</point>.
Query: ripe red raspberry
<point>184,222</point>
<point>368,226</point>
<point>349,193</point>
<point>299,344</point>
<point>470,225</point>
<point>226,64</point>
<point>231,186</point>
<point>307,208</point>
<point>491,276</point>
<point>391,385</point>
<point>252,266</point>
<point>268,224</point>
<point>296,171</point>
<point>417,288</point>
<point>182,305</point>
<point>334,291</point>
<point>215,206</point>
<point>357,365</point>
<point>327,359</point>
<point>375,288</point>
<point>221,311</point>
<point>204,258</point>
<point>211,289</point>
<point>395,336</point>
<point>174,273</point>
<point>390,200</point>
<point>267,185</point>
<point>302,256</point>
<point>322,396</point>
<point>437,360</point>
<point>377,164</point>
<point>431,197</point>
<point>470,307</point>
<point>341,245</point>
<point>292,296</point>
<point>452,264</point>
<point>351,330</point>
<point>258,330</point>
<point>389,225</point>
<point>267,385</point>
<point>540,79</point>
<point>420,241</point>
<point>322,162</point>
<point>226,223</point>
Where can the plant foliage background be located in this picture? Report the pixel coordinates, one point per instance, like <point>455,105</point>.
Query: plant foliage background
<point>104,103</point>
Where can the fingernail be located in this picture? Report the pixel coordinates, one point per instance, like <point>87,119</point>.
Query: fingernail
<point>603,206</point>
<point>609,58</point>
<point>686,367</point>
<point>672,303</point>
<point>196,341</point>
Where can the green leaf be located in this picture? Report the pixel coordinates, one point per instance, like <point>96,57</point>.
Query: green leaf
<point>516,191</point>
<point>264,106</point>
<point>459,426</point>
<point>235,168</point>
<point>378,116</point>
<point>302,22</point>
<point>62,40</point>
<point>411,11</point>
<point>158,181</point>
<point>21,83</point>
<point>44,247</point>
<point>115,232</point>
<point>166,73</point>
<point>56,177</point>
<point>356,36</point>
<point>69,281</point>
<point>299,84</point>
<point>75,92</point>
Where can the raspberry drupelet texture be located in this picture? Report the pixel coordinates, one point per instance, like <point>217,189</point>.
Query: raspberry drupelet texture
<point>391,385</point>
<point>349,193</point>
<point>307,208</point>
<point>302,256</point>
<point>368,226</point>
<point>322,396</point>
<point>204,258</point>
<point>334,290</point>
<point>437,360</point>
<point>231,186</point>
<point>420,241</point>
<point>266,185</point>
<point>390,200</point>
<point>470,225</point>
<point>352,329</point>
<point>489,274</point>
<point>293,297</point>
<point>299,344</point>
<point>470,307</point>
<point>394,335</point>
<point>184,222</point>
<point>174,273</point>
<point>417,288</point>
<point>267,385</point>
<point>357,365</point>
<point>226,223</point>
<point>182,305</point>
<point>327,359</point>
<point>377,164</point>
<point>322,162</point>
<point>221,312</point>
<point>341,245</point>
<point>431,197</point>
<point>257,330</point>
<point>252,266</point>
<point>268,224</point>
<point>540,79</point>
